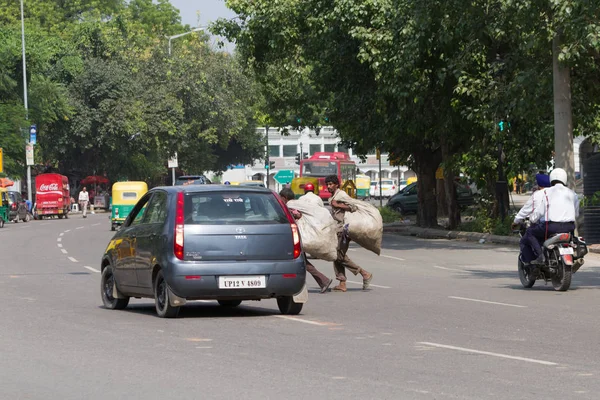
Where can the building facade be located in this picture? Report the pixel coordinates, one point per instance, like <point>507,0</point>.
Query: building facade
<point>283,150</point>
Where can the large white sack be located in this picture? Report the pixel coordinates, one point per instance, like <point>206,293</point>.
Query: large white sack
<point>365,225</point>
<point>317,229</point>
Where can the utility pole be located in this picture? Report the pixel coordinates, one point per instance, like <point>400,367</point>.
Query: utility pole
<point>268,155</point>
<point>29,196</point>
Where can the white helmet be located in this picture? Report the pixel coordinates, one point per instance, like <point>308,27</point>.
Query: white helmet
<point>558,174</point>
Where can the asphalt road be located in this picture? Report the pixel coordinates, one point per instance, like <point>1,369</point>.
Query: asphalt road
<point>444,320</point>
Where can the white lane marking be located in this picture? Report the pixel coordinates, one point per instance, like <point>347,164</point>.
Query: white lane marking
<point>67,231</point>
<point>92,269</point>
<point>62,234</point>
<point>393,258</point>
<point>305,321</point>
<point>80,227</point>
<point>59,240</point>
<point>204,347</point>
<point>96,224</point>
<point>448,269</point>
<point>72,259</point>
<point>488,353</point>
<point>64,251</point>
<point>487,302</point>
<point>59,245</point>
<point>378,286</point>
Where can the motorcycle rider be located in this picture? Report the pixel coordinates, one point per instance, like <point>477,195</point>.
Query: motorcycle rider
<point>551,210</point>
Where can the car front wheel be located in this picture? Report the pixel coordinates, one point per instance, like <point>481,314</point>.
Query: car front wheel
<point>164,309</point>
<point>107,286</point>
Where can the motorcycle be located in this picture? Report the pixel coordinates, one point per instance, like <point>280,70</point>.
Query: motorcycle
<point>563,256</point>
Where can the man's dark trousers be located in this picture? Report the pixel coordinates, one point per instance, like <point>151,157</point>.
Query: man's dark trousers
<point>536,234</point>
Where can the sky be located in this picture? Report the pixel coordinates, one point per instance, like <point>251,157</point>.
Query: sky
<point>201,12</point>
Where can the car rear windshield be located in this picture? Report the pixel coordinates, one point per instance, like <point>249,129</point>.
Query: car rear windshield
<point>232,208</point>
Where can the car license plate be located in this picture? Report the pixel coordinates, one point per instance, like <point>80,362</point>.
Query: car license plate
<point>242,282</point>
<point>565,250</point>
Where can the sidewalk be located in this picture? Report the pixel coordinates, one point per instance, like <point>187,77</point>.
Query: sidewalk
<point>399,228</point>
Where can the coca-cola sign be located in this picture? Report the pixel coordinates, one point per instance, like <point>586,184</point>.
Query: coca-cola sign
<point>48,188</point>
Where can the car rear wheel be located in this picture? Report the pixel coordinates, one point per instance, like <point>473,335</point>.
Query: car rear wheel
<point>107,286</point>
<point>164,309</point>
<point>287,306</point>
<point>230,303</point>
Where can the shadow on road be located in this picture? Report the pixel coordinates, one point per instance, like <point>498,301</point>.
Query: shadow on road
<point>207,310</point>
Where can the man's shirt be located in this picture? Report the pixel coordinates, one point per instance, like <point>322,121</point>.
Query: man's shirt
<point>533,208</point>
<point>560,204</point>
<point>84,196</point>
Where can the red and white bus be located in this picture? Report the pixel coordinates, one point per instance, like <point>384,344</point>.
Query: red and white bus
<point>322,164</point>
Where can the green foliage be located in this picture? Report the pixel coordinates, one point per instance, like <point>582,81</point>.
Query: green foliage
<point>593,200</point>
<point>107,98</point>
<point>484,222</point>
<point>389,215</point>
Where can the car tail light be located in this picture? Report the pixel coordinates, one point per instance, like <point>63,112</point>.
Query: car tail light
<point>178,242</point>
<point>13,206</point>
<point>393,187</point>
<point>295,232</point>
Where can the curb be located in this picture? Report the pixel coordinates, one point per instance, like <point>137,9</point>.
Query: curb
<point>431,233</point>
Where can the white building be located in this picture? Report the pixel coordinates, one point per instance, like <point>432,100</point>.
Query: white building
<point>283,151</point>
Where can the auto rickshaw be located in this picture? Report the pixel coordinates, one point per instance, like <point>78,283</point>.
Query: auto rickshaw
<point>3,207</point>
<point>363,183</point>
<point>297,185</point>
<point>125,195</point>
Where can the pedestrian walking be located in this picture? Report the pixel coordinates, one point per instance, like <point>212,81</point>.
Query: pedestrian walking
<point>343,262</point>
<point>84,199</point>
<point>324,282</point>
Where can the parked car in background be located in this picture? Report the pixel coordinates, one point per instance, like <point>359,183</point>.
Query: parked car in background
<point>406,200</point>
<point>185,180</point>
<point>388,188</point>
<point>217,242</point>
<point>17,207</point>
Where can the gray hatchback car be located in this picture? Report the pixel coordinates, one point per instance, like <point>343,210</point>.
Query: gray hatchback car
<point>226,243</point>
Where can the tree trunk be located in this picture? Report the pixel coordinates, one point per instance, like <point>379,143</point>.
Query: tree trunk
<point>452,208</point>
<point>440,190</point>
<point>426,163</point>
<point>563,125</point>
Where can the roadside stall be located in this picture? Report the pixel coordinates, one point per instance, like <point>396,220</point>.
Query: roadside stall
<point>98,190</point>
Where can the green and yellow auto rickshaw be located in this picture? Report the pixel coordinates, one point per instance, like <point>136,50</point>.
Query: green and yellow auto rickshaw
<point>363,184</point>
<point>3,207</point>
<point>124,197</point>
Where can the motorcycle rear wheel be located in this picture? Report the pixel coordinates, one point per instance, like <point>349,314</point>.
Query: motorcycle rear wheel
<point>562,280</point>
<point>526,280</point>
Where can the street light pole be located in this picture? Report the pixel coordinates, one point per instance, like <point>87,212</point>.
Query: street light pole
<point>25,94</point>
<point>170,50</point>
<point>180,35</point>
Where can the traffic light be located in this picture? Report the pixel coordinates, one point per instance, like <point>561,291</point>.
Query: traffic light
<point>503,125</point>
<point>304,156</point>
<point>271,164</point>
<point>298,158</point>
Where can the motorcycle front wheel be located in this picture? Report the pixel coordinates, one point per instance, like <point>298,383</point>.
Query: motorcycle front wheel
<point>526,280</point>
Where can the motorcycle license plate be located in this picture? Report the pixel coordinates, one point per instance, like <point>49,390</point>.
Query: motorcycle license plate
<point>565,250</point>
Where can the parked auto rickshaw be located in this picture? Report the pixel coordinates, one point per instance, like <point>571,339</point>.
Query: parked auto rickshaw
<point>3,207</point>
<point>124,197</point>
<point>363,183</point>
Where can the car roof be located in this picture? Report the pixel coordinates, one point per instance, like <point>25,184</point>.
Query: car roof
<point>212,188</point>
